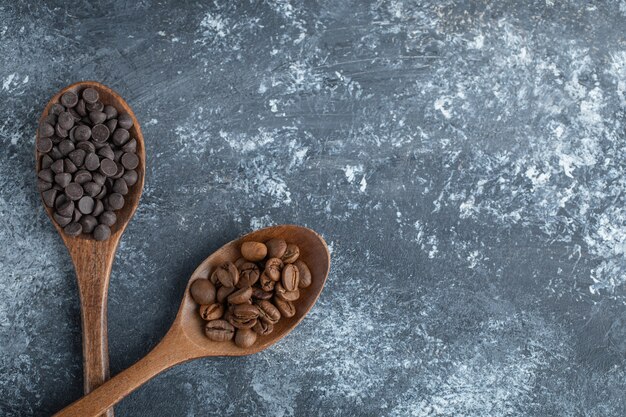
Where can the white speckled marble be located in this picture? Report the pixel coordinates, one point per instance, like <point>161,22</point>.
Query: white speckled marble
<point>464,161</point>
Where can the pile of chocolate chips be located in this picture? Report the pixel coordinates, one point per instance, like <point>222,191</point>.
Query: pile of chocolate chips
<point>246,298</point>
<point>88,161</point>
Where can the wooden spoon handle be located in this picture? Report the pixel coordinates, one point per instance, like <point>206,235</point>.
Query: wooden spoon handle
<point>92,262</point>
<point>172,350</point>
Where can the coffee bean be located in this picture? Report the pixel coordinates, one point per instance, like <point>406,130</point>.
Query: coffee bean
<point>212,311</point>
<point>107,218</point>
<point>219,330</point>
<point>61,220</point>
<point>91,188</point>
<point>223,293</point>
<point>46,175</point>
<point>68,166</point>
<point>80,108</point>
<point>241,296</point>
<point>120,137</point>
<point>202,291</point>
<point>49,196</point>
<point>253,251</point>
<point>98,209</point>
<point>227,274</point>
<point>90,95</point>
<point>43,185</point>
<point>66,209</point>
<point>259,294</point>
<point>304,272</point>
<point>286,308</point>
<point>116,201</point>
<point>273,266</point>
<point>92,162</point>
<point>130,146</point>
<point>106,152</point>
<point>110,111</point>
<point>77,156</point>
<point>244,316</point>
<point>248,275</point>
<point>100,133</point>
<point>73,191</point>
<point>268,312</point>
<point>97,117</point>
<point>291,254</point>
<point>111,124</point>
<point>108,167</point>
<point>73,229</point>
<point>101,232</point>
<point>130,176</point>
<point>56,109</point>
<point>119,186</point>
<point>82,133</point>
<point>276,247</point>
<point>245,338</point>
<point>66,146</point>
<point>125,121</point>
<point>262,328</point>
<point>87,146</point>
<point>66,121</point>
<point>97,106</point>
<point>130,160</point>
<point>267,284</point>
<point>283,294</point>
<point>69,99</point>
<point>63,179</point>
<point>89,223</point>
<point>290,277</point>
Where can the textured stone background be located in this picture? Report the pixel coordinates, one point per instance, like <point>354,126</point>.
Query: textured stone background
<point>464,161</point>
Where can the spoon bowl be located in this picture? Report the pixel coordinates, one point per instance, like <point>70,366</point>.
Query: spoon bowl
<point>185,339</point>
<point>93,259</point>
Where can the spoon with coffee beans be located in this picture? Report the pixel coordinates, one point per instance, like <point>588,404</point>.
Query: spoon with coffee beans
<point>90,163</point>
<point>242,299</point>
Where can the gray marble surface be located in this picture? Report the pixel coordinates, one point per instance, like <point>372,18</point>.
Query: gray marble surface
<point>464,161</point>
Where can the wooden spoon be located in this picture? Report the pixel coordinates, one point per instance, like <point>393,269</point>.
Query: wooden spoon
<point>93,259</point>
<point>185,339</point>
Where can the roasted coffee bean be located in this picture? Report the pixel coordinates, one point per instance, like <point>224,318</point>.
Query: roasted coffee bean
<point>107,218</point>
<point>130,176</point>
<point>286,308</point>
<point>65,120</point>
<point>263,328</point>
<point>130,160</point>
<point>239,262</point>
<point>73,229</point>
<point>291,254</point>
<point>86,205</point>
<point>227,274</point>
<point>82,176</point>
<point>240,323</point>
<point>97,117</point>
<point>44,145</point>
<point>219,330</point>
<point>290,277</point>
<point>69,99</point>
<point>253,251</point>
<point>63,179</point>
<point>245,338</point>
<point>101,232</point>
<point>120,186</point>
<point>92,162</point>
<point>110,111</point>
<point>223,293</point>
<point>282,293</point>
<point>49,197</point>
<point>304,272</point>
<point>43,185</point>
<point>248,275</point>
<point>202,291</point>
<point>120,136</point>
<point>111,124</point>
<point>97,106</point>
<point>116,201</point>
<point>259,294</point>
<point>273,266</point>
<point>100,133</point>
<point>212,311</point>
<point>77,156</point>
<point>68,166</point>
<point>56,109</point>
<point>267,284</point>
<point>125,121</point>
<point>268,312</point>
<point>276,247</point>
<point>241,296</point>
<point>62,220</point>
<point>80,108</point>
<point>108,167</point>
<point>90,95</point>
<point>74,191</point>
<point>89,223</point>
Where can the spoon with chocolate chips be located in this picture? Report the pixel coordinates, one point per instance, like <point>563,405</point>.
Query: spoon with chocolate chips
<point>90,163</point>
<point>241,320</point>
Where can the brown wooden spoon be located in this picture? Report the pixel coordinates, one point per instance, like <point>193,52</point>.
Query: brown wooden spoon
<point>93,259</point>
<point>185,339</point>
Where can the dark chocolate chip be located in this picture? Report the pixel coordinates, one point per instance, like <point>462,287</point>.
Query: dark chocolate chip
<point>56,109</point>
<point>63,179</point>
<point>49,196</point>
<point>66,209</point>
<point>108,217</point>
<point>60,132</point>
<point>66,146</point>
<point>118,154</point>
<point>110,111</point>
<point>82,176</point>
<point>46,130</point>
<point>87,147</point>
<point>73,229</point>
<point>90,95</point>
<point>78,157</point>
<point>98,178</point>
<point>55,153</point>
<point>61,220</point>
<point>75,115</point>
<point>103,192</point>
<point>46,161</point>
<point>97,106</point>
<point>120,171</point>
<point>130,160</point>
<point>97,117</point>
<point>89,223</point>
<point>91,188</point>
<point>100,133</point>
<point>86,205</point>
<point>102,232</point>
<point>43,185</point>
<point>108,167</point>
<point>116,201</point>
<point>46,175</point>
<point>111,124</point>
<point>92,162</point>
<point>130,176</point>
<point>83,132</point>
<point>98,209</point>
<point>44,145</point>
<point>57,166</point>
<point>68,166</point>
<point>69,99</point>
<point>80,108</point>
<point>120,186</point>
<point>120,136</point>
<point>74,191</point>
<point>77,215</point>
<point>66,121</point>
<point>51,119</point>
<point>106,152</point>
<point>125,121</point>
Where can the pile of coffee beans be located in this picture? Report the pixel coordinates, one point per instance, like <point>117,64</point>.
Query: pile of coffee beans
<point>245,299</point>
<point>88,161</point>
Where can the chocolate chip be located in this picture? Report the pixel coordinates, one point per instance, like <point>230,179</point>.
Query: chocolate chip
<point>130,160</point>
<point>63,179</point>
<point>120,171</point>
<point>55,153</point>
<point>90,95</point>
<point>66,209</point>
<point>46,130</point>
<point>73,229</point>
<point>57,166</point>
<point>77,156</point>
<point>120,186</point>
<point>66,146</point>
<point>44,145</point>
<point>77,215</point>
<point>80,108</point>
<point>46,161</point>
<point>91,188</point>
<point>46,175</point>
<point>98,209</point>
<point>110,111</point>
<point>61,220</point>
<point>130,176</point>
<point>97,106</point>
<point>56,109</point>
<point>75,115</point>
<point>92,162</point>
<point>49,196</point>
<point>69,99</point>
<point>130,146</point>
<point>108,218</point>
<point>108,167</point>
<point>125,121</point>
<point>97,117</point>
<point>116,201</point>
<point>60,132</point>
<point>120,136</point>
<point>66,121</point>
<point>86,146</point>
<point>82,132</point>
<point>51,119</point>
<point>98,178</point>
<point>88,222</point>
<point>100,132</point>
<point>106,152</point>
<point>102,232</point>
<point>82,176</point>
<point>68,166</point>
<point>111,124</point>
<point>74,191</point>
<point>86,205</point>
<point>43,185</point>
